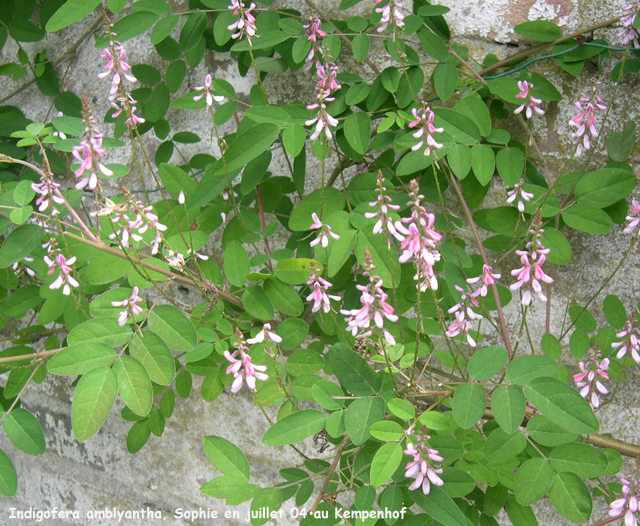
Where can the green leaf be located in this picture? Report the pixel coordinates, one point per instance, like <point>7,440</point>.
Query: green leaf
<point>138,436</point>
<point>520,515</point>
<point>357,129</point>
<point>248,145</point>
<point>584,460</point>
<point>459,158</point>
<point>387,431</point>
<point>487,362</point>
<point>527,368</point>
<point>173,327</point>
<point>510,164</point>
<point>323,201</point>
<point>547,433</point>
<point>620,145</point>
<point>151,351</point>
<point>508,405</point>
<point>267,39</point>
<point>559,245</point>
<point>226,457</point>
<point>385,462</point>
<point>571,497</point>
<point>134,24</point>
<point>273,114</point>
<point>533,479</point>
<point>257,303</point>
<point>304,361</point>
<point>284,297</point>
<point>457,483</point>
<point>70,13</point>
<point>540,30</point>
<point>604,187</point>
<point>266,502</point>
<point>227,487</point>
<point>460,127</point>
<point>385,258</point>
<point>192,30</point>
<point>163,28</point>
<point>297,271</point>
<point>469,403</point>
<point>24,431</point>
<point>433,45</point>
<point>104,330</point>
<point>236,263</point>
<point>614,311</point>
<point>323,392</point>
<point>353,372</point>
<point>105,268</point>
<point>92,402</point>
<point>20,243</point>
<point>80,359</point>
<point>361,414</point>
<point>562,404</point>
<point>501,445</point>
<point>134,385</point>
<point>440,507</point>
<point>476,109</point>
<point>483,162</point>
<point>294,428</point>
<point>294,138</point>
<point>445,80</point>
<point>587,219</point>
<point>360,47</point>
<point>8,476</point>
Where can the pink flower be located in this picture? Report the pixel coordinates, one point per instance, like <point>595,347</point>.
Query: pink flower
<point>531,104</point>
<point>628,504</point>
<point>246,24</point>
<point>383,203</point>
<point>488,278</point>
<point>586,119</point>
<point>630,340</point>
<point>244,371</point>
<point>391,15</point>
<point>531,274</point>
<point>521,195</point>
<point>464,316</point>
<point>424,120</point>
<point>64,279</point>
<point>319,295</point>
<point>633,218</point>
<point>313,32</point>
<point>421,467</point>
<point>323,121</point>
<point>116,66</point>
<point>629,34</point>
<point>131,307</point>
<point>265,334</point>
<point>47,188</point>
<point>323,237</point>
<point>374,310</point>
<point>587,380</point>
<point>208,93</point>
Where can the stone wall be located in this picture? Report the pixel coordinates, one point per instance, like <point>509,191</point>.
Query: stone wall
<point>167,473</point>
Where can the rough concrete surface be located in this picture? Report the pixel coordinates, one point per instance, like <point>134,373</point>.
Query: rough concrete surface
<point>167,473</point>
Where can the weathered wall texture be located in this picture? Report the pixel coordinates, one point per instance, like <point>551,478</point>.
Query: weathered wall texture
<point>167,473</point>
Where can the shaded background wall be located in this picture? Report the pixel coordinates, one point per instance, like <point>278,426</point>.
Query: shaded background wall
<point>167,473</point>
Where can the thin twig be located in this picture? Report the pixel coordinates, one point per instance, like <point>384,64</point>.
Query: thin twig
<point>332,469</point>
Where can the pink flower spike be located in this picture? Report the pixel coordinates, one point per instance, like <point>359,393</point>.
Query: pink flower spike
<point>265,335</point>
<point>420,468</point>
<point>243,369</point>
<point>207,92</point>
<point>131,307</point>
<point>531,104</point>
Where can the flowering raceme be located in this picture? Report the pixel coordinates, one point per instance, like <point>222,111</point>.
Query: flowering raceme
<point>323,237</point>
<point>319,295</point>
<point>627,505</point>
<point>630,341</point>
<point>421,467</point>
<point>131,307</point>
<point>464,314</point>
<point>383,203</point>
<point>64,279</point>
<point>588,380</point>
<point>424,122</point>
<point>246,24</point>
<point>633,218</point>
<point>530,102</point>
<point>207,92</point>
<point>629,34</point>
<point>521,195</point>
<point>418,240</point>
<point>374,310</point>
<point>89,152</point>
<point>392,15</point>
<point>586,120</point>
<point>243,369</point>
<point>531,274</point>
